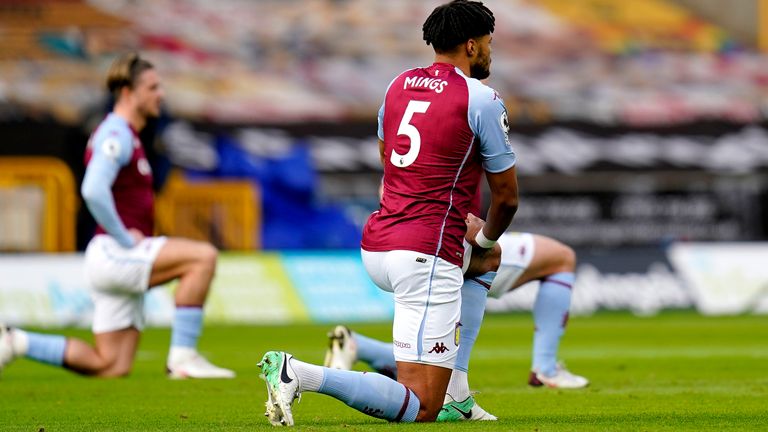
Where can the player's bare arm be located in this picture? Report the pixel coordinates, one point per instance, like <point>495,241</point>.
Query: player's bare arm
<point>381,152</point>
<point>504,201</point>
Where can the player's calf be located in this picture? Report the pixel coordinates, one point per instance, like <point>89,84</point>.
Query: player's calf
<point>429,383</point>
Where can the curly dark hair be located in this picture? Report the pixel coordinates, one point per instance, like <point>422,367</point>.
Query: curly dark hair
<point>456,22</point>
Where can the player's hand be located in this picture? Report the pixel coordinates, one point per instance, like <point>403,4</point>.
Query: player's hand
<point>483,260</point>
<point>137,235</point>
<point>474,225</point>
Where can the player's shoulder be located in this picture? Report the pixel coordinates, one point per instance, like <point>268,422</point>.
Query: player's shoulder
<point>113,125</point>
<point>113,137</point>
<point>481,93</point>
<point>113,128</point>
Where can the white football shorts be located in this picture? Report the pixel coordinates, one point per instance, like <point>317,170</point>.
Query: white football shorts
<point>427,292</point>
<point>517,251</point>
<point>118,278</point>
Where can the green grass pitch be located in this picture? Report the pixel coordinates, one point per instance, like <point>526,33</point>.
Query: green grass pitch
<point>676,371</point>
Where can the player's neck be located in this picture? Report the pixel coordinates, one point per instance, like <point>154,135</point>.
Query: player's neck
<point>461,62</point>
<point>130,115</point>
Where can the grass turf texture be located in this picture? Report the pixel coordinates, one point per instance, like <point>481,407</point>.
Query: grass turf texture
<point>676,371</point>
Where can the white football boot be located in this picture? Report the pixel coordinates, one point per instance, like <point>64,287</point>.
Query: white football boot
<point>6,347</point>
<point>282,387</point>
<point>342,349</point>
<point>562,378</point>
<point>191,364</point>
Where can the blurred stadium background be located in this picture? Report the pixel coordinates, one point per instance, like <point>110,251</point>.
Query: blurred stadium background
<point>641,128</point>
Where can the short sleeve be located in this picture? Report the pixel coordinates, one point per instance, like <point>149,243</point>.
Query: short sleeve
<point>381,122</point>
<point>490,124</point>
<point>113,145</point>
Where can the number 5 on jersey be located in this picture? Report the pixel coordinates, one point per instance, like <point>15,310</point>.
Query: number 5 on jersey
<point>409,130</point>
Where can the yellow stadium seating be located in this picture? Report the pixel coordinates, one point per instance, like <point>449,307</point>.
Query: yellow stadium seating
<point>226,213</point>
<point>620,25</point>
<point>38,205</point>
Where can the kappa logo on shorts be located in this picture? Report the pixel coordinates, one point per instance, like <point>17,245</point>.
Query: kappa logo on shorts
<point>439,348</point>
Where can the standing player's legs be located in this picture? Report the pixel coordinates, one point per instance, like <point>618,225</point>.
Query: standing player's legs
<point>193,263</point>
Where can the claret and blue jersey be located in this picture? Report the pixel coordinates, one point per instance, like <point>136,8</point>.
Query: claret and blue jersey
<point>118,181</point>
<point>440,130</point>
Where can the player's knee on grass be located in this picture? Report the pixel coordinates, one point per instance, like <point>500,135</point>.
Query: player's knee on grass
<point>116,371</point>
<point>430,400</point>
<point>100,367</point>
<point>429,383</point>
<point>430,408</point>
<point>119,366</point>
<point>427,414</point>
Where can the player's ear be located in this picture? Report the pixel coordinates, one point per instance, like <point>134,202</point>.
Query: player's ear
<point>471,47</point>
